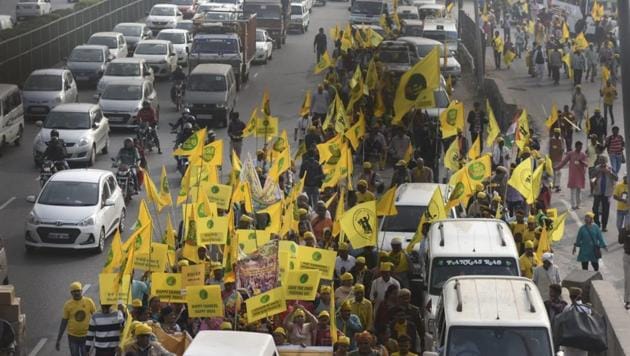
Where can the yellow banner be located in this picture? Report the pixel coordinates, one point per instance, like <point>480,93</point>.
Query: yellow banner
<point>204,301</point>
<point>247,240</point>
<point>266,304</point>
<point>302,284</point>
<point>111,293</point>
<point>212,230</point>
<point>318,259</point>
<point>220,194</point>
<point>267,127</point>
<point>193,275</point>
<point>154,261</point>
<point>167,286</point>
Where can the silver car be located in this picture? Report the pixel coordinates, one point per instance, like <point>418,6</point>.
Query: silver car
<point>32,8</point>
<point>181,40</point>
<point>46,88</point>
<point>123,69</point>
<point>121,101</point>
<point>133,32</point>
<point>83,129</point>
<point>115,41</point>
<point>87,62</point>
<point>160,55</point>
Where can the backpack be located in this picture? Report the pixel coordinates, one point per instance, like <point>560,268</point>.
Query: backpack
<point>539,57</point>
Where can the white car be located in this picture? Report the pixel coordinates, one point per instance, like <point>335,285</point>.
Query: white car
<point>264,46</point>
<point>82,127</point>
<point>181,40</point>
<point>159,54</point>
<point>32,8</point>
<point>300,17</point>
<point>115,41</point>
<point>123,69</point>
<point>46,88</point>
<point>220,5</point>
<point>121,101</point>
<point>163,16</point>
<point>6,22</point>
<point>76,209</point>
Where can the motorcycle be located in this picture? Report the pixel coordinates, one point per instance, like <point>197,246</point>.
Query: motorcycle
<point>125,177</point>
<point>49,168</point>
<point>178,95</point>
<point>182,164</point>
<point>146,135</point>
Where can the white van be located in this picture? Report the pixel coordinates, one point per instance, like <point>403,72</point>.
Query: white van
<point>211,93</point>
<point>443,30</point>
<point>11,115</point>
<point>485,315</point>
<point>456,247</point>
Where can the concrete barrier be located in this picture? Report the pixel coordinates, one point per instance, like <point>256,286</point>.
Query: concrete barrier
<point>583,280</point>
<point>605,300</point>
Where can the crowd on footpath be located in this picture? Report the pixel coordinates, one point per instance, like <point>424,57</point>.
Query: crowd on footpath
<point>348,137</point>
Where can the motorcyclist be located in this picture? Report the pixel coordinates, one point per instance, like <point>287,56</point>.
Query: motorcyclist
<point>129,155</point>
<point>148,115</point>
<point>56,150</point>
<point>178,76</point>
<point>187,117</point>
<point>235,131</point>
<point>184,134</point>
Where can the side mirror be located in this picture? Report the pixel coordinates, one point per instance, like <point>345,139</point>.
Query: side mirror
<point>96,97</point>
<point>39,123</point>
<point>349,8</point>
<point>30,199</point>
<point>187,50</point>
<point>109,202</point>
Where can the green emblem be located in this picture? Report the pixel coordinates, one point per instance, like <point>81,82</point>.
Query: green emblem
<point>476,170</point>
<point>264,299</point>
<point>208,153</point>
<point>138,242</point>
<point>304,278</point>
<point>190,143</point>
<point>203,294</point>
<point>170,281</point>
<point>317,256</point>
<point>214,189</point>
<point>210,224</point>
<point>451,117</point>
<point>252,236</point>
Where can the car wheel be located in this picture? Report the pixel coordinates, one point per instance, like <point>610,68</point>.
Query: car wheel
<point>121,221</point>
<point>101,242</point>
<point>5,281</point>
<point>92,159</point>
<point>270,55</point>
<point>19,136</point>
<point>106,147</point>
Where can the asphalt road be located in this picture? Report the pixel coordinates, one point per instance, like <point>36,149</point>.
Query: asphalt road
<point>7,7</point>
<point>42,278</point>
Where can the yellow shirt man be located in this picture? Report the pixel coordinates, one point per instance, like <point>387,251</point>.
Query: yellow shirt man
<point>78,313</point>
<point>621,196</point>
<point>528,263</point>
<point>364,197</point>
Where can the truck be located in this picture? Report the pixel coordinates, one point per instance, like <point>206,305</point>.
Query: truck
<point>273,16</point>
<point>230,42</point>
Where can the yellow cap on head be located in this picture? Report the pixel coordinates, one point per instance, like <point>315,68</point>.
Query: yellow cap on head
<point>136,303</point>
<point>359,287</point>
<point>143,329</point>
<point>347,277</point>
<point>74,286</point>
<point>529,244</point>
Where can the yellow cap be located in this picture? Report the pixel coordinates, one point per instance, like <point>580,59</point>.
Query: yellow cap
<point>136,303</point>
<point>229,278</point>
<point>76,286</point>
<point>298,312</point>
<point>347,277</point>
<point>401,163</point>
<point>529,244</point>
<point>557,129</point>
<point>309,235</point>
<point>343,246</point>
<point>323,313</point>
<point>362,183</point>
<point>343,340</point>
<point>346,306</point>
<point>302,211</point>
<point>359,287</point>
<point>531,219</point>
<point>590,214</point>
<point>479,187</point>
<point>482,195</point>
<point>496,198</point>
<point>325,289</point>
<point>386,266</point>
<point>183,262</point>
<point>246,218</point>
<point>260,152</point>
<point>214,265</point>
<point>226,325</point>
<point>360,259</point>
<point>143,329</point>
<point>281,331</point>
<point>367,165</point>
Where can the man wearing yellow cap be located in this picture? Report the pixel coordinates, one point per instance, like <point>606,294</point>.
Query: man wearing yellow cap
<point>321,334</point>
<point>344,262</point>
<point>362,307</point>
<point>382,283</point>
<point>402,264</point>
<point>348,323</point>
<point>370,176</point>
<point>300,324</point>
<point>77,313</point>
<point>342,346</point>
<point>323,301</point>
<point>143,344</point>
<point>362,273</point>
<point>528,260</point>
<point>362,193</point>
<point>531,234</point>
<point>280,336</point>
<point>401,174</point>
<point>344,291</point>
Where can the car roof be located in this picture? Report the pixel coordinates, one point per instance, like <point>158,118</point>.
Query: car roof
<point>419,40</point>
<point>155,41</point>
<point>106,34</point>
<point>493,300</point>
<point>417,194</point>
<point>211,68</point>
<point>89,46</point>
<point>49,71</point>
<point>128,60</point>
<point>75,107</point>
<point>87,175</point>
<point>431,6</point>
<point>431,24</point>
<point>471,237</point>
<point>173,30</point>
<point>131,24</point>
<point>407,22</point>
<point>129,81</point>
<point>6,88</point>
<point>165,5</point>
<point>403,8</point>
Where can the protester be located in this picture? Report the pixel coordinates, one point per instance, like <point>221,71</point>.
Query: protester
<point>615,145</point>
<point>603,183</point>
<point>589,240</point>
<point>609,94</point>
<point>577,172</point>
<point>77,313</point>
<point>144,343</point>
<point>546,275</point>
<point>620,194</point>
<point>554,302</point>
<point>300,324</point>
<point>348,323</point>
<point>528,260</point>
<point>104,331</point>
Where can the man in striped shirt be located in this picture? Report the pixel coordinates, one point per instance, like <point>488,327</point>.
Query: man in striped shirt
<point>615,146</point>
<point>104,331</point>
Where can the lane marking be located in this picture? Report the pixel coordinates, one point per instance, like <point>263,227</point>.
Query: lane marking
<point>7,203</point>
<point>37,178</point>
<point>255,75</point>
<point>86,287</point>
<point>38,347</point>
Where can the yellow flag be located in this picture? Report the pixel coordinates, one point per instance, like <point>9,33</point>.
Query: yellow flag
<point>357,90</point>
<point>242,193</point>
<point>508,56</point>
<point>265,104</point>
<point>317,259</point>
<point>544,245</point>
<point>152,192</point>
<point>212,230</point>
<point>275,215</point>
<point>379,105</point>
<point>189,252</point>
<point>267,304</point>
<point>451,157</point>
<point>305,109</point>
<point>154,261</point>
<point>417,85</point>
<point>374,37</point>
<point>360,224</point>
<point>450,6</point>
<point>371,79</point>
<point>204,301</point>
<point>115,255</point>
<point>169,234</point>
<point>605,74</point>
<point>493,127</point>
<point>356,132</point>
<point>565,31</point>
<point>521,179</point>
<point>452,119</point>
<point>553,116</point>
<point>386,205</point>
<point>280,156</point>
<point>212,154</point>
<point>522,130</point>
<point>141,230</point>
<point>557,233</point>
<point>165,190</point>
<point>267,127</point>
<point>324,63</point>
<point>566,59</point>
<point>330,151</point>
<point>193,146</point>
<point>184,188</point>
<point>111,291</point>
<point>536,183</point>
<point>250,128</point>
<point>461,188</point>
<point>436,210</point>
<point>449,84</point>
<point>167,286</point>
<point>408,153</point>
<point>595,12</point>
<point>220,194</point>
<point>336,230</point>
<point>580,42</point>
<point>479,169</point>
<point>475,149</point>
<point>302,284</point>
<point>548,166</point>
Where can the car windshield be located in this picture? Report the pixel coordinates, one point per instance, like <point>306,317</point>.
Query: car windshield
<point>182,2</point>
<point>67,120</point>
<point>369,8</point>
<point>218,16</point>
<point>162,11</point>
<point>233,2</point>
<point>260,36</point>
<point>266,12</point>
<point>122,92</point>
<point>175,38</point>
<point>43,82</point>
<point>151,48</point>
<point>206,82</point>
<point>406,220</point>
<point>185,25</point>
<point>494,340</point>
<point>218,45</point>
<point>412,30</point>
<point>86,55</point>
<point>64,193</point>
<point>110,42</point>
<point>408,15</point>
<point>394,56</point>
<point>443,268</point>
<point>441,99</point>
<point>440,35</point>
<point>296,10</point>
<point>123,70</point>
<point>126,30</point>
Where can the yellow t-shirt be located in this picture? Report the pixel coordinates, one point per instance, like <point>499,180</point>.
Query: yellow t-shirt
<point>621,188</point>
<point>527,265</point>
<point>78,313</point>
<point>518,228</point>
<point>363,197</point>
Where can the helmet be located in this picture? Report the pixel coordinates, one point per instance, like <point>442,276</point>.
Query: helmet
<point>54,133</point>
<point>188,126</point>
<point>211,135</point>
<point>145,104</point>
<point>127,141</point>
<point>179,68</point>
<point>186,111</point>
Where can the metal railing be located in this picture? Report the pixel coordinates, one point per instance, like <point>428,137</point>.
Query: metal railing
<point>47,45</point>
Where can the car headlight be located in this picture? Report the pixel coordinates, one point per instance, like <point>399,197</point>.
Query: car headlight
<point>89,221</point>
<point>84,141</point>
<point>56,100</point>
<point>33,219</point>
<point>220,106</point>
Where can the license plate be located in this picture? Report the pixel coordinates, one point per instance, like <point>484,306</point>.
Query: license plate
<point>116,119</point>
<point>82,77</point>
<point>58,236</point>
<point>37,109</point>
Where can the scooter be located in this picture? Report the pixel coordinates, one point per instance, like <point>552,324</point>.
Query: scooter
<point>49,168</point>
<point>178,96</point>
<point>146,135</point>
<point>125,177</point>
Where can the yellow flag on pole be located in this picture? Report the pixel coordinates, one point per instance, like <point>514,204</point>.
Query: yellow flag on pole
<point>544,245</point>
<point>212,154</point>
<point>371,79</point>
<point>165,190</point>
<point>193,146</point>
<point>475,149</point>
<point>265,105</point>
<point>169,234</point>
<point>250,128</point>
<point>566,59</point>
<point>461,188</point>
<point>324,63</point>
<point>115,255</point>
<point>359,224</point>
<point>580,42</point>
<point>339,213</point>
<point>152,192</point>
<point>356,132</point>
<point>553,116</point>
<point>522,130</point>
<point>521,179</point>
<point>493,127</point>
<point>305,109</point>
<point>386,205</point>
<point>417,85</point>
<point>557,233</point>
<point>452,119</point>
<point>565,31</point>
<point>451,157</point>
<point>536,183</point>
<point>605,74</point>
<point>436,210</point>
